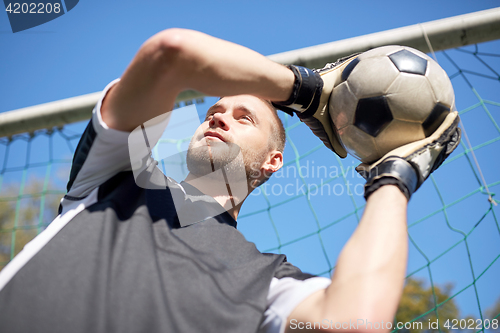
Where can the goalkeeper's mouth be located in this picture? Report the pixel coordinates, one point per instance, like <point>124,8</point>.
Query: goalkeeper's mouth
<point>214,136</point>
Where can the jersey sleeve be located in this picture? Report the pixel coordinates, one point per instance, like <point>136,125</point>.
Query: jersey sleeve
<point>289,287</point>
<point>101,153</point>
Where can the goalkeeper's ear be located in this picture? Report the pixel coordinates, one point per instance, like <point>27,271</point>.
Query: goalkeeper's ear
<point>260,173</point>
<point>273,163</point>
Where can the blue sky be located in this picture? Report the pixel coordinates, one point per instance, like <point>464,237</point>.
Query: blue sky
<point>83,50</point>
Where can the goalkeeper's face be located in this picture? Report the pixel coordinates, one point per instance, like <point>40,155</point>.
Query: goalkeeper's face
<point>236,135</point>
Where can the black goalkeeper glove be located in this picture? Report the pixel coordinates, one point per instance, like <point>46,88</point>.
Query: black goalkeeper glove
<point>309,100</point>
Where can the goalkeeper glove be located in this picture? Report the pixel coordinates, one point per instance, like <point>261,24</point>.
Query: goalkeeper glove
<point>309,100</point>
<point>410,165</point>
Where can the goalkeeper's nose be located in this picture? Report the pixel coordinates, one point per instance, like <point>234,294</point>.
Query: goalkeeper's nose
<point>218,120</point>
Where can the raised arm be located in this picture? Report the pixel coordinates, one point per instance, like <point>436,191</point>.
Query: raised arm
<point>368,280</point>
<point>175,60</point>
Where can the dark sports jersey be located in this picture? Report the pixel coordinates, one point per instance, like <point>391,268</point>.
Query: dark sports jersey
<point>119,259</point>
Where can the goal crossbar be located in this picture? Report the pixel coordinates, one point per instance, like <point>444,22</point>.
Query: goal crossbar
<point>452,32</point>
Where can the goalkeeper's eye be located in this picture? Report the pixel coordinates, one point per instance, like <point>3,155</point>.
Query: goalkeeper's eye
<point>247,119</point>
<point>209,116</point>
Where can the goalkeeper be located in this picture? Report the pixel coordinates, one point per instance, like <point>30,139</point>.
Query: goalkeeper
<point>166,256</point>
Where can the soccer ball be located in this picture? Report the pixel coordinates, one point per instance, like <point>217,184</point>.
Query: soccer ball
<point>389,96</point>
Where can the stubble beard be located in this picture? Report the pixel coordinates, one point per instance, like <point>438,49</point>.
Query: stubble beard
<point>205,160</point>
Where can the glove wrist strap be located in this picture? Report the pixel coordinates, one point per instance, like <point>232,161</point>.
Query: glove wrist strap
<point>392,171</point>
<point>306,93</point>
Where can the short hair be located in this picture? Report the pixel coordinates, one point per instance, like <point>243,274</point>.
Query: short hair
<point>278,135</point>
<point>277,138</point>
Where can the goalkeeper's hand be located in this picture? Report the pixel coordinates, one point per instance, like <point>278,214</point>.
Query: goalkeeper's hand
<point>410,165</point>
<point>309,100</point>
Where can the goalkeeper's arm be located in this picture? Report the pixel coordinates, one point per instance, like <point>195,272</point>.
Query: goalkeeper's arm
<point>175,60</point>
<point>368,280</point>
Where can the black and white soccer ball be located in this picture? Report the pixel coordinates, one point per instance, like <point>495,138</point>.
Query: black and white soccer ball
<point>389,96</point>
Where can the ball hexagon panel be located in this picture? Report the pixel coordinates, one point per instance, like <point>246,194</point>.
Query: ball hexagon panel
<point>409,62</point>
<point>372,115</point>
<point>419,53</point>
<point>441,84</point>
<point>342,106</point>
<point>435,118</point>
<point>358,143</point>
<point>411,97</point>
<point>372,77</point>
<point>398,133</point>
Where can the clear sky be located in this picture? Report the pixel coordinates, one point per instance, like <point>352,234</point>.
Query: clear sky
<point>83,50</point>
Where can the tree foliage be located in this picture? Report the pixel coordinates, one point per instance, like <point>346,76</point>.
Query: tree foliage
<point>418,299</point>
<point>23,216</point>
<point>494,310</point>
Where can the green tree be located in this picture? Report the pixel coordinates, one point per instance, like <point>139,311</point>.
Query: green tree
<point>22,217</point>
<point>418,299</point>
<point>494,310</point>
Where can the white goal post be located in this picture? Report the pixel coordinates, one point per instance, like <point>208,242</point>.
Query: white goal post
<point>443,34</point>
